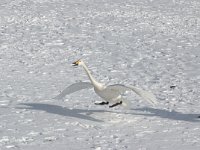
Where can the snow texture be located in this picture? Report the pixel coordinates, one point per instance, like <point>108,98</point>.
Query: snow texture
<point>151,44</point>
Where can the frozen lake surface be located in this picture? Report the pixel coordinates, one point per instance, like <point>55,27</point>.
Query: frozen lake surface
<point>152,44</point>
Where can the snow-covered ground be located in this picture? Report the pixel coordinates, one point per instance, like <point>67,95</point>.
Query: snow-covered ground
<point>152,44</point>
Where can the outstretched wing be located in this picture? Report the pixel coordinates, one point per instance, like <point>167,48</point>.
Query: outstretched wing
<point>73,88</point>
<point>148,96</point>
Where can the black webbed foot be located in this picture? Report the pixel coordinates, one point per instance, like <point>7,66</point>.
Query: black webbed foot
<point>102,103</point>
<point>116,104</point>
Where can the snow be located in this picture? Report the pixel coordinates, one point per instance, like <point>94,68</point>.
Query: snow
<point>152,44</point>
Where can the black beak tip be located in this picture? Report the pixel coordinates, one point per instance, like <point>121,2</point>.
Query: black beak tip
<point>74,64</point>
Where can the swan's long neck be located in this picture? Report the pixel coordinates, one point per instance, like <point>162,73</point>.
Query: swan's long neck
<point>93,81</point>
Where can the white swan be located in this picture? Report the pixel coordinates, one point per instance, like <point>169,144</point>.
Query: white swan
<point>110,93</point>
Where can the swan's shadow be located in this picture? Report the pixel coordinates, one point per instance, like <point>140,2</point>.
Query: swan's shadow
<point>173,115</point>
<point>85,114</point>
<point>63,111</point>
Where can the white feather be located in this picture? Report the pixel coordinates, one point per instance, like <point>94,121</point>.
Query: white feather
<point>74,88</point>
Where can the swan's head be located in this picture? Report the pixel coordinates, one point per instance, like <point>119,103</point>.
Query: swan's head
<point>77,63</point>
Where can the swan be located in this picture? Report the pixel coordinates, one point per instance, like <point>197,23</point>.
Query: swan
<point>110,93</point>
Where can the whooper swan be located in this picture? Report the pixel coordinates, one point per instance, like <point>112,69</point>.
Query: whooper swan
<point>110,93</point>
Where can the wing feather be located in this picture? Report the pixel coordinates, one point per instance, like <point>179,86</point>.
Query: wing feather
<point>74,88</point>
<point>148,96</point>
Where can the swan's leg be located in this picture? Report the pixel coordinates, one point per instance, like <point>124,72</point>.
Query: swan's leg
<point>116,104</point>
<point>102,103</point>
<point>121,101</point>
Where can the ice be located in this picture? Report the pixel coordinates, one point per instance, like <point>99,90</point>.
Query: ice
<point>152,44</point>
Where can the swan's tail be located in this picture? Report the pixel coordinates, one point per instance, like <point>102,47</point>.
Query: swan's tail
<point>148,96</point>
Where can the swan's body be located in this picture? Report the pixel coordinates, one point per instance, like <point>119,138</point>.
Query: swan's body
<point>110,93</point>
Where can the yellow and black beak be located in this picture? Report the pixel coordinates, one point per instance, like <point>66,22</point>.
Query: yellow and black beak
<point>76,63</point>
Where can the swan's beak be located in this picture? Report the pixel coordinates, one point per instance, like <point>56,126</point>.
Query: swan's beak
<point>76,63</point>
